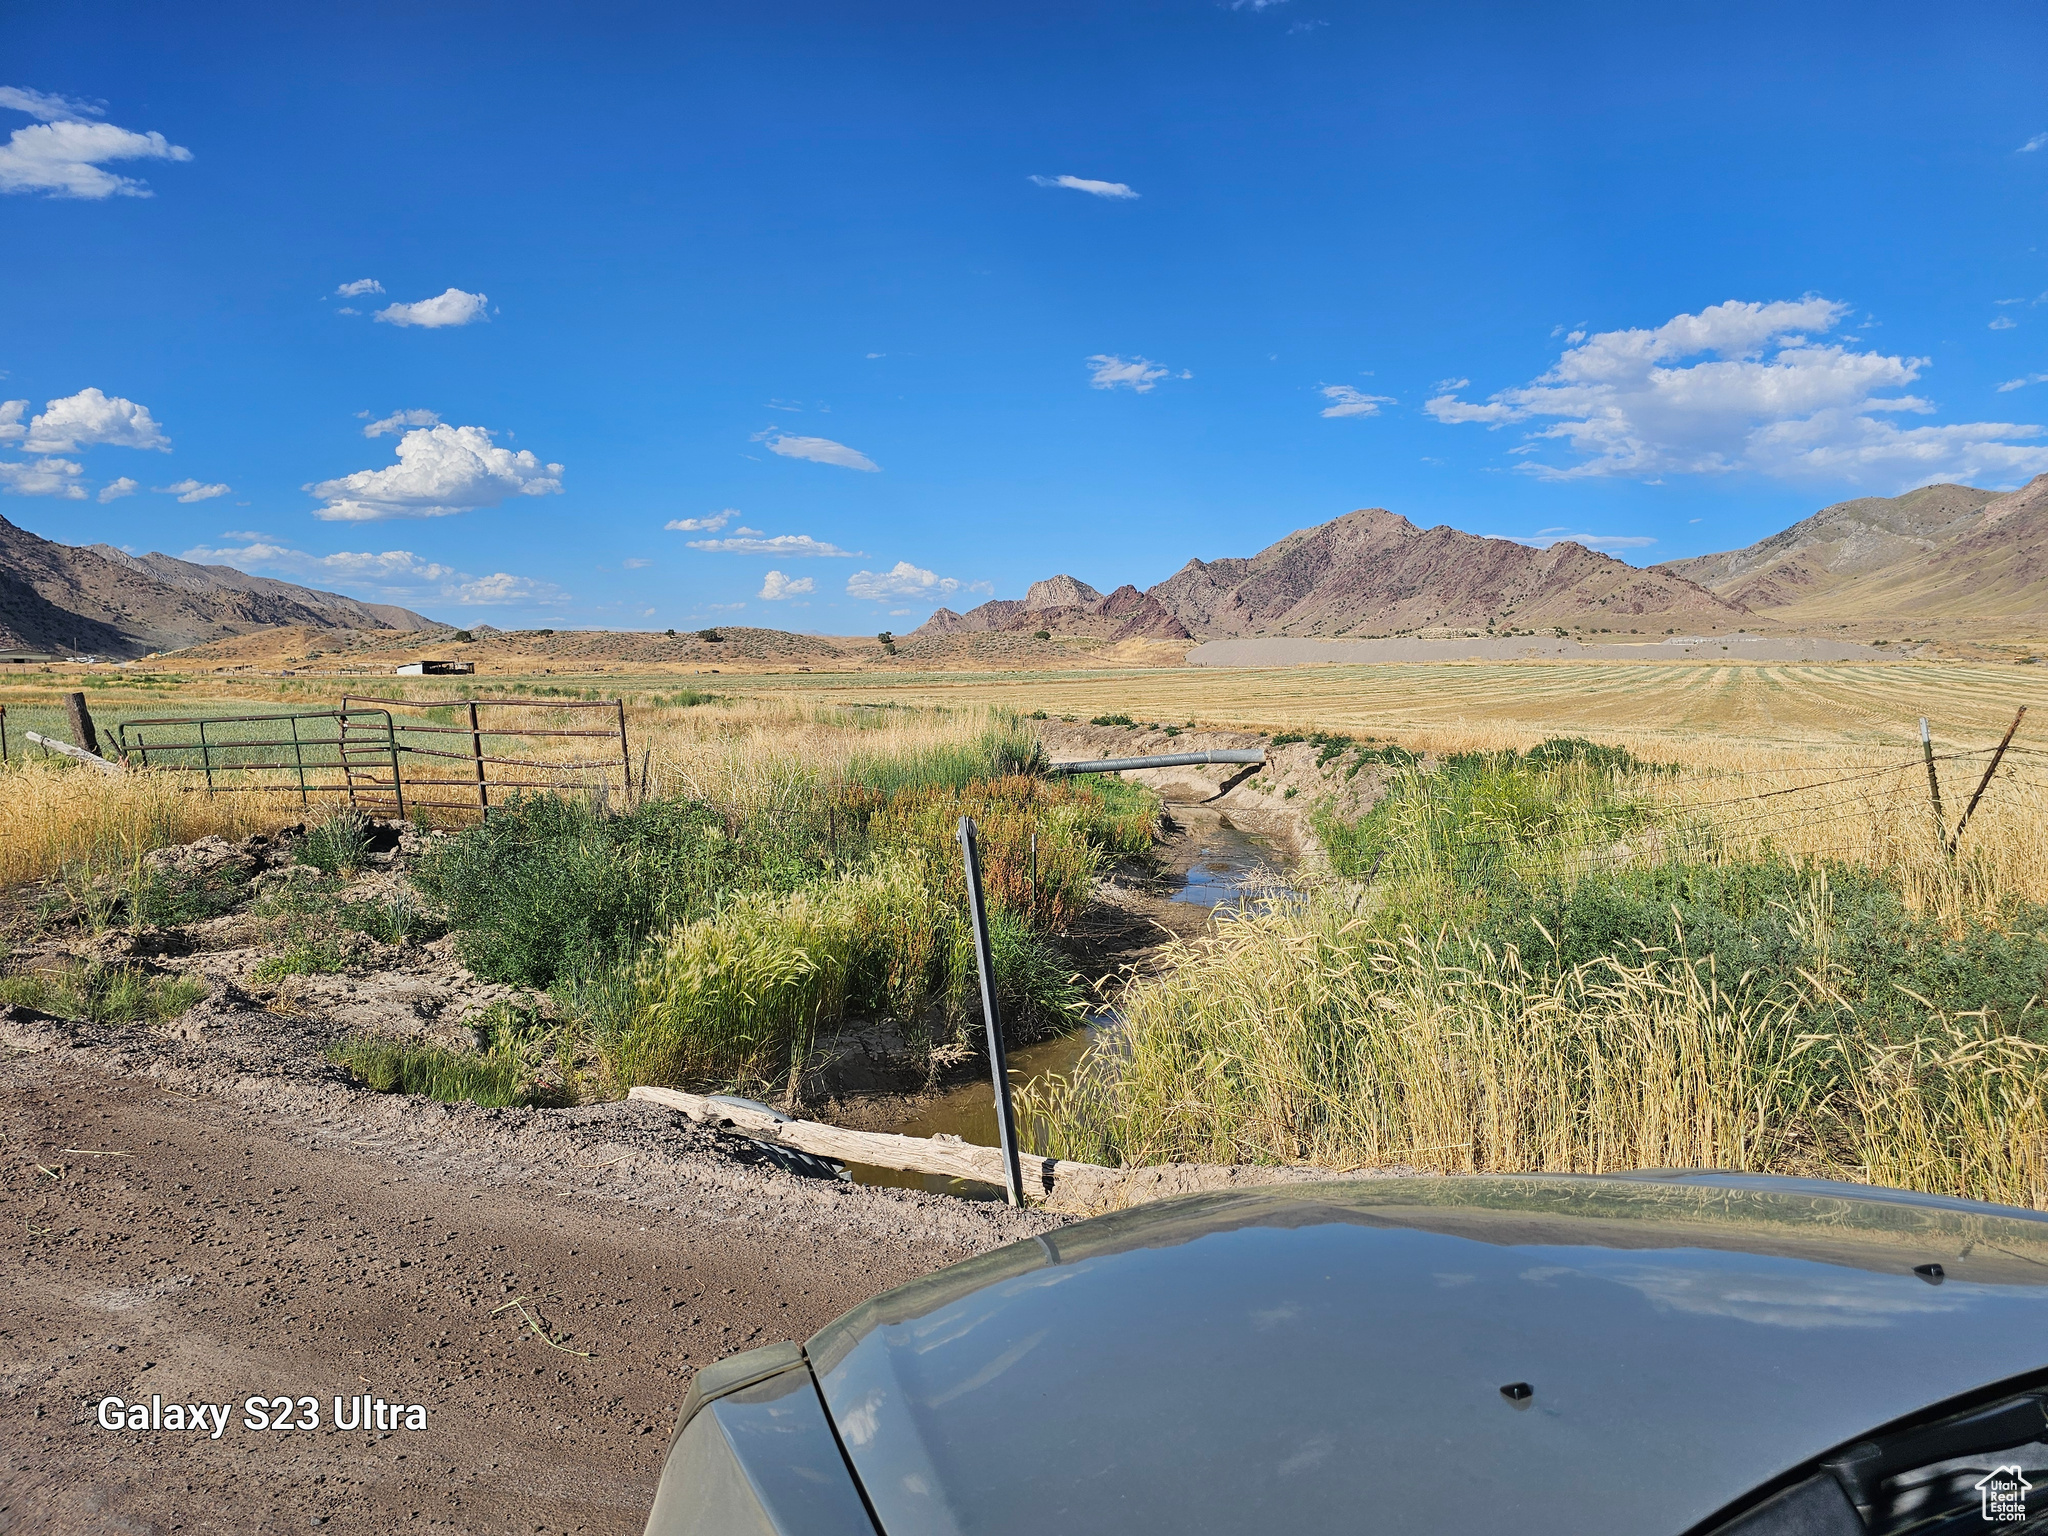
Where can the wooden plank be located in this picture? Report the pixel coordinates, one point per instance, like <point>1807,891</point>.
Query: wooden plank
<point>1043,1176</point>
<point>92,759</point>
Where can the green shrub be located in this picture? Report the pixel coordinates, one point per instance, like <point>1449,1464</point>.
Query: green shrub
<point>303,954</point>
<point>546,885</point>
<point>391,919</point>
<point>1124,720</point>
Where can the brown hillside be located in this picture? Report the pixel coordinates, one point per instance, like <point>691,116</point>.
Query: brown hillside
<point>1838,547</point>
<point>1373,572</point>
<point>59,597</point>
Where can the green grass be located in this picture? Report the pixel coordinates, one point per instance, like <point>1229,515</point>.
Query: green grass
<point>339,842</point>
<point>303,954</point>
<point>103,994</point>
<point>493,1080</point>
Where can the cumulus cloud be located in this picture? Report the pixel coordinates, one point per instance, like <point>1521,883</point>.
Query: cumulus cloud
<point>11,428</point>
<point>819,450</point>
<point>2022,382</point>
<point>451,308</point>
<point>2002,323</point>
<point>397,575</point>
<point>1346,401</point>
<point>359,287</point>
<point>43,477</point>
<point>711,524</point>
<point>1743,386</point>
<point>441,470</point>
<point>398,421</point>
<point>1083,184</point>
<point>778,585</point>
<point>190,490</point>
<point>797,545</point>
<point>2034,143</point>
<point>1137,373</point>
<point>114,490</point>
<point>88,419</point>
<point>904,580</point>
<point>61,154</point>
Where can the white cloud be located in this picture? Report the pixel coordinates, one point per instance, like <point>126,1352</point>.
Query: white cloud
<point>114,490</point>
<point>710,524</point>
<point>1138,373</point>
<point>752,533</point>
<point>359,287</point>
<point>904,580</point>
<point>348,309</point>
<point>62,153</point>
<point>819,450</point>
<point>501,590</point>
<point>2034,143</point>
<point>2022,382</point>
<point>797,545</point>
<point>451,308</point>
<point>1550,536</point>
<point>399,420</point>
<point>778,585</point>
<point>1082,184</point>
<point>11,428</point>
<point>189,490</point>
<point>43,477</point>
<point>2002,323</point>
<point>441,471</point>
<point>1744,386</point>
<point>1346,401</point>
<point>635,565</point>
<point>90,418</point>
<point>47,106</point>
<point>1254,5</point>
<point>395,575</point>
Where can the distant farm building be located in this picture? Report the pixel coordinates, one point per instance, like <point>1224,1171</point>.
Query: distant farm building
<point>436,668</point>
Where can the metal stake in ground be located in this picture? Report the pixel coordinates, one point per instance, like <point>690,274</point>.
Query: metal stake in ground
<point>1985,782</point>
<point>1933,784</point>
<point>999,1063</point>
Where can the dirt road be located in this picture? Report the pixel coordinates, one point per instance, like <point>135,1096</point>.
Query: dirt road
<point>335,1249</point>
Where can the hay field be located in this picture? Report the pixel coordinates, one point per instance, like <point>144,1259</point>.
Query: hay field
<point>1668,709</point>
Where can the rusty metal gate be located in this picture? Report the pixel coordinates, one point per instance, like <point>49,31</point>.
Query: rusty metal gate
<point>351,753</point>
<point>388,757</point>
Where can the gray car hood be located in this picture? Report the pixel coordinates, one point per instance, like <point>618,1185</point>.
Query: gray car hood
<point>1332,1356</point>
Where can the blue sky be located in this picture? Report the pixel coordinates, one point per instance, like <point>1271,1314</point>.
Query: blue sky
<point>912,304</point>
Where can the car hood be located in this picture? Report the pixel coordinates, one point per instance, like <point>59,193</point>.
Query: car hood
<point>1332,1356</point>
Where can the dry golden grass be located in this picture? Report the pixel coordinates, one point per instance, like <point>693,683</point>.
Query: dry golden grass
<point>51,816</point>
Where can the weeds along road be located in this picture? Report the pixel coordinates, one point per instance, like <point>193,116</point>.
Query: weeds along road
<point>223,1257</point>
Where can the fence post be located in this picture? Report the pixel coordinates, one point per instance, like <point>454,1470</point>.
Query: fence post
<point>3,733</point>
<point>1985,782</point>
<point>299,756</point>
<point>1034,878</point>
<point>82,733</point>
<point>999,1064</point>
<point>625,752</point>
<point>476,747</point>
<point>206,757</point>
<point>1933,785</point>
<point>397,780</point>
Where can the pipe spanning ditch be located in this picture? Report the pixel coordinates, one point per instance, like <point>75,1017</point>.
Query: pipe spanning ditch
<point>1254,756</point>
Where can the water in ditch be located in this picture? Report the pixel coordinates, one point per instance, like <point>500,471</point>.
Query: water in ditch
<point>1228,865</point>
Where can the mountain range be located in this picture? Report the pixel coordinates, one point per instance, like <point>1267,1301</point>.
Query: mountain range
<point>1941,551</point>
<point>102,600</point>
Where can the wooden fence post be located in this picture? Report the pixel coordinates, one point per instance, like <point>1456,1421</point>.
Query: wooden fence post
<point>1933,785</point>
<point>1985,782</point>
<point>82,733</point>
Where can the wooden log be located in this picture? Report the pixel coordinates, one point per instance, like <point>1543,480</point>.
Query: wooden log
<point>92,759</point>
<point>1044,1177</point>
